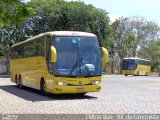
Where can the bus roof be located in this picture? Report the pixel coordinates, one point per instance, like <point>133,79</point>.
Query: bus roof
<point>57,33</point>
<point>136,58</point>
<point>72,33</point>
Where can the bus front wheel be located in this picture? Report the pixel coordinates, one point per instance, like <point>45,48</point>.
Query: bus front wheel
<point>43,86</point>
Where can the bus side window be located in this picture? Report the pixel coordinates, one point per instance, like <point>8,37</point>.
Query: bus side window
<point>40,45</point>
<point>48,54</point>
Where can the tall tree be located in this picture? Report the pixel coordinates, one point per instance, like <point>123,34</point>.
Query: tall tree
<point>68,16</point>
<point>132,34</point>
<point>13,11</point>
<point>152,52</point>
<point>8,36</point>
<point>12,15</point>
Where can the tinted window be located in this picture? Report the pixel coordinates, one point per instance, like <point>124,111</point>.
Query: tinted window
<point>129,64</point>
<point>29,49</point>
<point>77,56</point>
<point>48,54</point>
<point>143,62</point>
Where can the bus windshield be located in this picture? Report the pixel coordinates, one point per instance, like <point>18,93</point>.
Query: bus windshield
<point>77,56</point>
<point>129,64</point>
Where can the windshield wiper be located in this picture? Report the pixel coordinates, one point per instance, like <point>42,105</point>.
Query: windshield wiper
<point>80,62</point>
<point>75,65</point>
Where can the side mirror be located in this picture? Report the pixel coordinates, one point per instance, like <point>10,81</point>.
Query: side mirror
<point>53,54</point>
<point>105,54</point>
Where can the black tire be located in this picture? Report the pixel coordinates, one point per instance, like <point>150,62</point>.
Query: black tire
<point>138,73</point>
<point>43,87</point>
<point>125,75</point>
<point>16,81</point>
<point>20,82</point>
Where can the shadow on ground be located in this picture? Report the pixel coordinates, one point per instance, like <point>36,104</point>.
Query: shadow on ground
<point>35,95</point>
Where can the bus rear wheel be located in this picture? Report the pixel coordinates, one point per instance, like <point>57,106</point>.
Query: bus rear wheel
<point>16,81</point>
<point>43,86</point>
<point>20,82</point>
<point>138,73</point>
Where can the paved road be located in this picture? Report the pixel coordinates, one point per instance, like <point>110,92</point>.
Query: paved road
<point>119,94</point>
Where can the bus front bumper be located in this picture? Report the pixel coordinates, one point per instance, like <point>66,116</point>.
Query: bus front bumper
<point>58,89</point>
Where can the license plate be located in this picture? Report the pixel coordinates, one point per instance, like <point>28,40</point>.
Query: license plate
<point>79,89</point>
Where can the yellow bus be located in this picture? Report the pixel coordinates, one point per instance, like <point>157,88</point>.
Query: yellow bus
<point>135,66</point>
<point>58,62</point>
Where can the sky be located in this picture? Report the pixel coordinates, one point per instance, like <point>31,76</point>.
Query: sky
<point>148,9</point>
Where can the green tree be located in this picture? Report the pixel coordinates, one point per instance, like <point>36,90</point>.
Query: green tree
<point>12,15</point>
<point>152,52</point>
<point>13,11</point>
<point>8,36</point>
<point>68,16</point>
<point>132,34</point>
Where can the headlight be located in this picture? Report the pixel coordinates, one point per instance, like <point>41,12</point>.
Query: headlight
<point>61,83</point>
<point>96,82</point>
